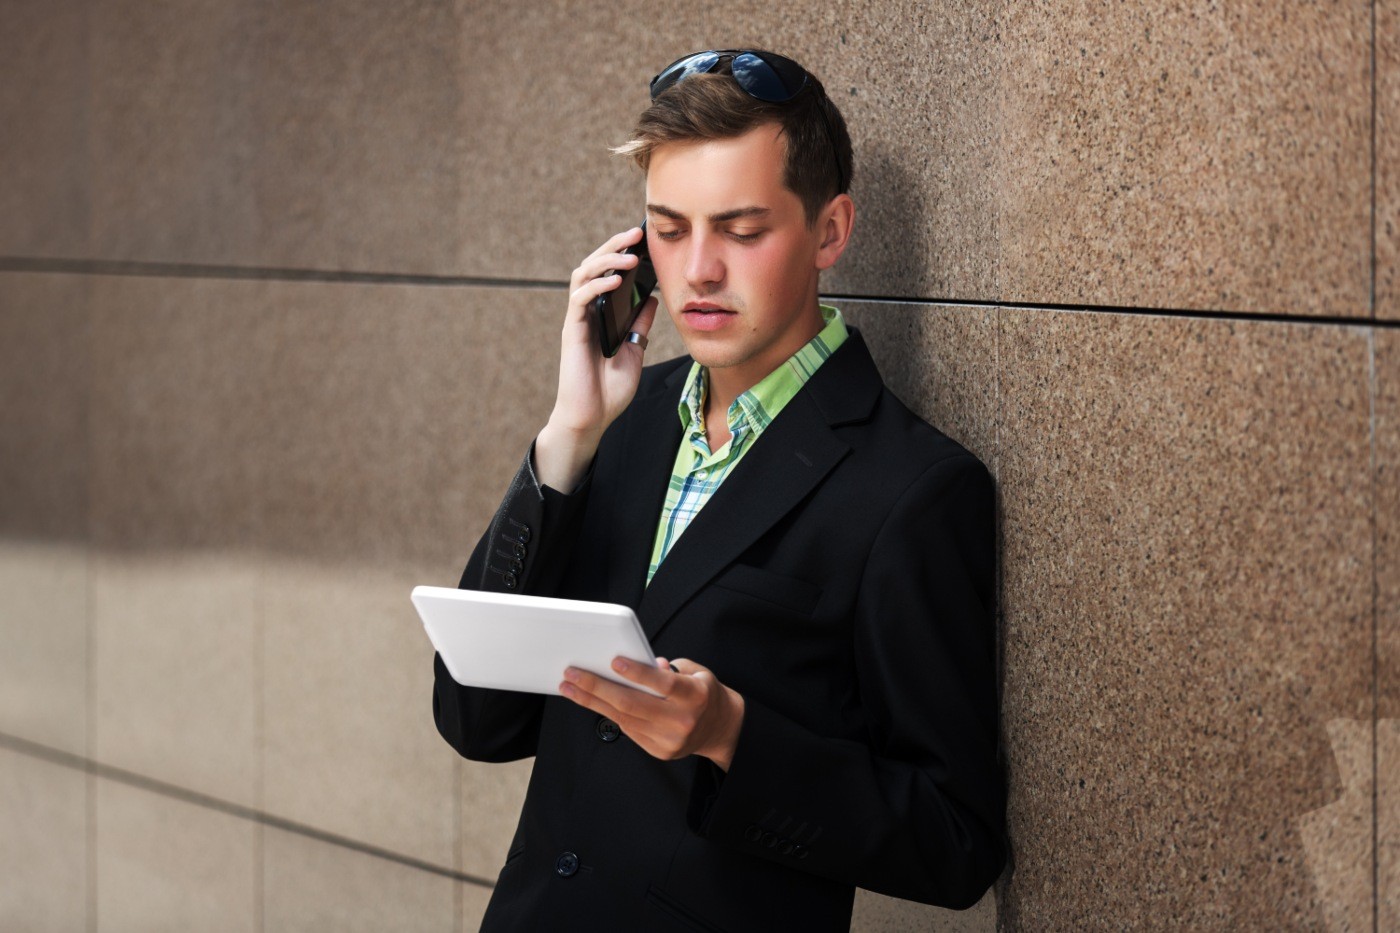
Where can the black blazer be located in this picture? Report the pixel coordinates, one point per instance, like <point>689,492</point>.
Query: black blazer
<point>842,580</point>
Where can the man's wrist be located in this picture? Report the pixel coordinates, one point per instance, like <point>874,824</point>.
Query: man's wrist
<point>562,456</point>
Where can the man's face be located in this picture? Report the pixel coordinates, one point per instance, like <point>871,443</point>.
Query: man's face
<point>734,257</point>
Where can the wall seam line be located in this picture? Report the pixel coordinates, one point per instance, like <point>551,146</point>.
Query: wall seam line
<point>251,273</point>
<point>1375,492</point>
<point>196,798</point>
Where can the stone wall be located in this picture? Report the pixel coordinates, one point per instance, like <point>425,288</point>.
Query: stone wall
<point>280,287</point>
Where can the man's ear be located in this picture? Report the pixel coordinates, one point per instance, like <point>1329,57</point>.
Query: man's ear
<point>834,226</point>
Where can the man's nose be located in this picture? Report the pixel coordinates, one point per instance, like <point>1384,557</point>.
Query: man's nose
<point>704,266</point>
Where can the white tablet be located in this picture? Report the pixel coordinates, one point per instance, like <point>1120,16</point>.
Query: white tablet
<point>510,642</point>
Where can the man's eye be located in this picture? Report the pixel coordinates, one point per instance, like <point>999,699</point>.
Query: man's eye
<point>745,237</point>
<point>667,234</point>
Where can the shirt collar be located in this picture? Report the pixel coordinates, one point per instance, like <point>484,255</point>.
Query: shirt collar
<point>756,408</point>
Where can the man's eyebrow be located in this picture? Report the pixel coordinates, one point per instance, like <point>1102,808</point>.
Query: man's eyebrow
<point>719,218</point>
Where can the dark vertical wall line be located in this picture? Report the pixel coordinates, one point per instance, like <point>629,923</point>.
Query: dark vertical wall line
<point>1375,555</point>
<point>1375,642</point>
<point>260,746</point>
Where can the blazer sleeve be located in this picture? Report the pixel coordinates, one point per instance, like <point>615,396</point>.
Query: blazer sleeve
<point>917,809</point>
<point>525,550</point>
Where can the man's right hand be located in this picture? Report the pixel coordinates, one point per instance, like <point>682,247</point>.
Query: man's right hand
<point>593,390</point>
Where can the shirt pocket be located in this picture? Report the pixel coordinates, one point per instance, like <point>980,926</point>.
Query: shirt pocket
<point>786,592</point>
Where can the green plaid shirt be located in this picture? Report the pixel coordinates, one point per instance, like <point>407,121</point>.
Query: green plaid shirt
<point>698,471</point>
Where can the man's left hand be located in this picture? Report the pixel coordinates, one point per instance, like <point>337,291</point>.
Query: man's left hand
<point>695,714</point>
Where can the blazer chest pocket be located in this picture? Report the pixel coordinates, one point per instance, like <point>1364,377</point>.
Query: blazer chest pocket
<point>787,592</point>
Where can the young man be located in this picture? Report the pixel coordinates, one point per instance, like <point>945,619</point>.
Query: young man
<point>814,560</point>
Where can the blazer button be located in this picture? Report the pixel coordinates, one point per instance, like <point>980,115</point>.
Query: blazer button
<point>508,579</point>
<point>785,846</point>
<point>799,851</point>
<point>607,730</point>
<point>566,865</point>
<point>753,833</point>
<point>770,840</point>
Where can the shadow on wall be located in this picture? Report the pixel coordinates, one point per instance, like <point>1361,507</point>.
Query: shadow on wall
<point>896,247</point>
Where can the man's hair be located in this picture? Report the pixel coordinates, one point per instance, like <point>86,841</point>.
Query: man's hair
<point>713,106</point>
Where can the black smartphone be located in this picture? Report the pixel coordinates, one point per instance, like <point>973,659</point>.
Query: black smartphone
<point>616,310</point>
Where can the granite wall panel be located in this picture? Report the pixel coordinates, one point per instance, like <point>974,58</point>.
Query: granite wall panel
<point>45,385</point>
<point>172,147</point>
<point>175,668</point>
<point>490,801</point>
<point>1113,155</point>
<point>309,885</point>
<point>1386,373</point>
<point>1187,639</point>
<point>1387,149</point>
<point>1186,155</point>
<point>876,913</point>
<point>914,83</point>
<point>45,179</point>
<point>43,844</point>
<point>164,864</point>
<point>397,416</point>
<point>349,743</point>
<point>44,643</point>
<point>939,360</point>
<point>361,135</point>
<point>178,431</point>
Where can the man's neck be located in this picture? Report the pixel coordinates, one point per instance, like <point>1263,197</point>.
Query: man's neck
<point>725,384</point>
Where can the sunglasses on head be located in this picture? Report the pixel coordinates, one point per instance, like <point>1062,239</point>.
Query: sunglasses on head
<point>764,76</point>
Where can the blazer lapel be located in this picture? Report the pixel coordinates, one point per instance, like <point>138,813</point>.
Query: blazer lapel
<point>790,459</point>
<point>648,452</point>
<point>784,465</point>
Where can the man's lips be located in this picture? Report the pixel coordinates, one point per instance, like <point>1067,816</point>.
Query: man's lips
<point>702,315</point>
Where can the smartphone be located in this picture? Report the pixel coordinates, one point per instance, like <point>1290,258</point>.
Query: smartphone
<point>616,310</point>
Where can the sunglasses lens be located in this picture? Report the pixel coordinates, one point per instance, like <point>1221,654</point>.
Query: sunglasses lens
<point>774,80</point>
<point>683,68</point>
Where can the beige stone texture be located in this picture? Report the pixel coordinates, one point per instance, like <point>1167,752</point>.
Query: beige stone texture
<point>1387,148</point>
<point>45,386</point>
<point>490,805</point>
<point>349,744</point>
<point>175,639</point>
<point>44,181</point>
<point>875,913</point>
<point>1388,824</point>
<point>44,643</point>
<point>164,864</point>
<point>941,361</point>
<point>178,426</point>
<point>915,85</point>
<point>311,885</point>
<point>172,146</point>
<point>361,131</point>
<point>1187,599</point>
<point>1186,155</point>
<point>397,416</point>
<point>474,901</point>
<point>43,845</point>
<point>1338,844</point>
<point>1387,446</point>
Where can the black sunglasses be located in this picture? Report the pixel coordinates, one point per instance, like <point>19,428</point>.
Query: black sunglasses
<point>764,76</point>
